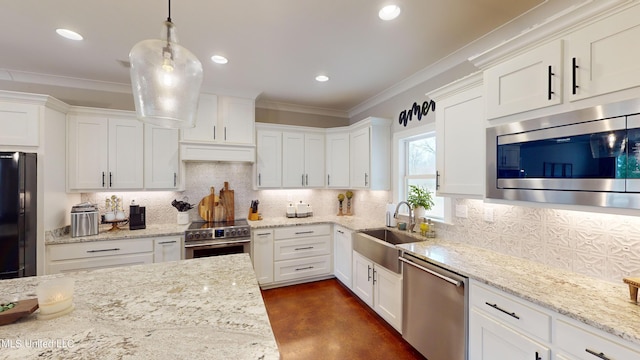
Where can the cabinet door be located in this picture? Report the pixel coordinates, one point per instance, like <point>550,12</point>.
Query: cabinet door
<point>603,58</point>
<point>359,152</point>
<point>587,343</point>
<point>490,340</point>
<point>262,255</point>
<point>167,249</point>
<point>314,160</point>
<point>88,151</point>
<point>161,161</point>
<point>529,81</point>
<point>237,118</point>
<point>206,121</point>
<point>126,158</point>
<point>343,252</point>
<point>293,175</point>
<point>460,147</point>
<point>388,296</point>
<point>19,124</point>
<point>269,159</point>
<point>337,160</point>
<point>362,278</point>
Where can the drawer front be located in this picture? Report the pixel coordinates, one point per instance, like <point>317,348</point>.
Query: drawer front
<point>302,268</point>
<point>102,262</point>
<point>302,231</point>
<point>98,248</point>
<point>301,248</point>
<point>587,344</point>
<point>512,312</point>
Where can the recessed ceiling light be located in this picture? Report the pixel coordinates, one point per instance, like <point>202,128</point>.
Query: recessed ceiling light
<point>71,35</point>
<point>219,59</point>
<point>322,78</point>
<point>389,12</point>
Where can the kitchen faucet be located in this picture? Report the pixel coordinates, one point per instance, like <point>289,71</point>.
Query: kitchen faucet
<point>395,214</point>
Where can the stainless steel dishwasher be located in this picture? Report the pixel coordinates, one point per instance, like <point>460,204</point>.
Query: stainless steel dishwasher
<point>434,309</point>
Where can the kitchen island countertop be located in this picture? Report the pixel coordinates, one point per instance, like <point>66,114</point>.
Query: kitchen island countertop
<point>208,308</point>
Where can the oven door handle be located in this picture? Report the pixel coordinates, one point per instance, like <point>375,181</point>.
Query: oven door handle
<point>211,244</point>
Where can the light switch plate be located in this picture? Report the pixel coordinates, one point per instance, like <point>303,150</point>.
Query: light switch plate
<point>488,214</point>
<point>462,211</point>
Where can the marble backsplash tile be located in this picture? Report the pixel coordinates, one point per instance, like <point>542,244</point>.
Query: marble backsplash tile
<point>605,246</point>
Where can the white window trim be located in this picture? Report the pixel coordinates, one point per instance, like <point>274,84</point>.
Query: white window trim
<point>398,165</point>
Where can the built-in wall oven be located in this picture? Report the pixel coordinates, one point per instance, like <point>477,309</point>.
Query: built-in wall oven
<point>585,157</point>
<point>203,239</point>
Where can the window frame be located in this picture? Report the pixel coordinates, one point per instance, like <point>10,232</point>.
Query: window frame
<point>400,167</point>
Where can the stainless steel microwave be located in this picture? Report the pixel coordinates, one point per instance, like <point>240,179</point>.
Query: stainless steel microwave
<point>585,157</point>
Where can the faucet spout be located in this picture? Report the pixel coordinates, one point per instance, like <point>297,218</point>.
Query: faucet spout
<point>395,214</point>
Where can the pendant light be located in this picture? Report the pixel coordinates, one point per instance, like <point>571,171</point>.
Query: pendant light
<point>166,80</point>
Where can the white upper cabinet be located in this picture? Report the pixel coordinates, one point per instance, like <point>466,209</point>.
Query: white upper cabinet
<point>104,151</point>
<point>20,124</point>
<point>526,82</point>
<point>206,121</point>
<point>302,159</point>
<point>269,159</point>
<point>602,58</point>
<point>460,144</point>
<point>236,119</point>
<point>223,119</point>
<point>369,154</point>
<point>224,131</point>
<point>337,159</point>
<point>161,158</point>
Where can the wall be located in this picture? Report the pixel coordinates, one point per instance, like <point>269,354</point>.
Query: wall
<point>296,118</point>
<point>604,246</point>
<point>202,175</point>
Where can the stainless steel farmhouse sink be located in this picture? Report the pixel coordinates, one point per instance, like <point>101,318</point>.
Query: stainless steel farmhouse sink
<point>379,245</point>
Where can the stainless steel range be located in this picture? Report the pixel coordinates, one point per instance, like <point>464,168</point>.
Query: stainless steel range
<point>204,239</point>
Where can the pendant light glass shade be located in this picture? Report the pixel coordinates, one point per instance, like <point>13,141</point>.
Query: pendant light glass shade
<point>166,80</point>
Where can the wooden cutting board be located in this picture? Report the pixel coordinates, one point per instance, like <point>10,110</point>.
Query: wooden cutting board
<point>206,207</point>
<point>22,309</point>
<point>227,200</point>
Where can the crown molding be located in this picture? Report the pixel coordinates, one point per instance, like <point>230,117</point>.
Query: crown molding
<point>555,27</point>
<point>273,105</point>
<point>35,99</point>
<point>63,81</point>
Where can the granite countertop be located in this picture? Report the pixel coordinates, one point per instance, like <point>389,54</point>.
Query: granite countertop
<point>208,308</point>
<point>601,304</point>
<point>351,222</point>
<point>152,230</point>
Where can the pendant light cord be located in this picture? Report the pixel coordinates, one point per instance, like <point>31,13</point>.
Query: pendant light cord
<point>169,17</point>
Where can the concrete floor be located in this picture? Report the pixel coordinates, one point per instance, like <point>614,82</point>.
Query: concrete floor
<point>324,320</point>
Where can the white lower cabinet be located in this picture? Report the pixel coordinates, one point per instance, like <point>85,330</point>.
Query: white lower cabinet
<point>342,255</point>
<point>295,254</point>
<point>98,254</point>
<point>262,255</point>
<point>167,248</point>
<point>491,340</point>
<point>505,327</point>
<point>581,342</point>
<point>379,288</point>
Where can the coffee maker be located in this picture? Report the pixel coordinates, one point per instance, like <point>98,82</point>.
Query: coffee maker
<point>137,216</point>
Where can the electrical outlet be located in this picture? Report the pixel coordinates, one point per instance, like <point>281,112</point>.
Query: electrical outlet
<point>289,197</point>
<point>462,211</point>
<point>488,214</point>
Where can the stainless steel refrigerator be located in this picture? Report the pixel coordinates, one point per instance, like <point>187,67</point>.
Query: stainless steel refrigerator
<point>18,226</point>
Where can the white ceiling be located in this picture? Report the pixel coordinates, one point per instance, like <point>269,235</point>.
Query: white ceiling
<point>275,47</point>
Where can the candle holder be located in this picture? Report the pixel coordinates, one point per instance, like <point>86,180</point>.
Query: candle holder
<point>55,298</point>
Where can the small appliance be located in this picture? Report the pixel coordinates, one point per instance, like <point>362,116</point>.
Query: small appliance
<point>137,217</point>
<point>84,219</point>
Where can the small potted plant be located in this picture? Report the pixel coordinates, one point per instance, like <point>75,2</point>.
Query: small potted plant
<point>420,200</point>
<point>340,200</point>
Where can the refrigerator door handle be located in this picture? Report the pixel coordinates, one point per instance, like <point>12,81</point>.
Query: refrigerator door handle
<point>21,203</point>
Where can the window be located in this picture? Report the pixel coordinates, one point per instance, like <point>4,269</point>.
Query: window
<point>416,161</point>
